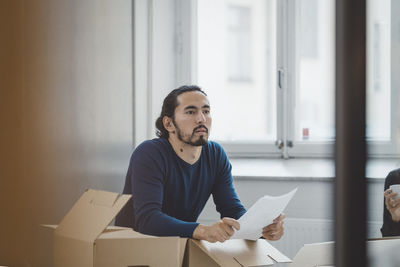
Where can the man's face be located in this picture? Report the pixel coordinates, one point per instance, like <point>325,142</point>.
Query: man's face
<point>192,119</point>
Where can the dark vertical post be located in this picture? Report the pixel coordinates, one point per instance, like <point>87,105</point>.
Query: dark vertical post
<point>350,203</point>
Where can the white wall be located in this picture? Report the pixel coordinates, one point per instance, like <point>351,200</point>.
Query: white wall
<point>65,114</point>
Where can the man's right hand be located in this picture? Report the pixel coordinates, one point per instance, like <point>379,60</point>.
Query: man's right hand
<point>392,204</point>
<point>220,231</point>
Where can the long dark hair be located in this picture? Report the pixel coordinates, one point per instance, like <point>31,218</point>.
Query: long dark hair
<point>169,105</point>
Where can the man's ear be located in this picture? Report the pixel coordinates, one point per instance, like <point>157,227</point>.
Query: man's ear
<point>168,124</point>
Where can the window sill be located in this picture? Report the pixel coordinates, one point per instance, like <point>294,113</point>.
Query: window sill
<point>304,169</point>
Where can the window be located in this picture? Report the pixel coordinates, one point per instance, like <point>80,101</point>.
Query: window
<point>383,51</point>
<point>268,68</point>
<point>236,61</point>
<point>314,68</point>
<point>238,43</point>
<point>278,90</point>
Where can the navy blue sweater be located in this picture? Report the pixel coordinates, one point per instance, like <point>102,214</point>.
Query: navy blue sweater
<point>169,193</point>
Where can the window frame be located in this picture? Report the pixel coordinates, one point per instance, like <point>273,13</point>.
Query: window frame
<point>185,72</point>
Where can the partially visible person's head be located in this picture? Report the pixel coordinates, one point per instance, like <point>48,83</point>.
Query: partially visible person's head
<point>185,112</point>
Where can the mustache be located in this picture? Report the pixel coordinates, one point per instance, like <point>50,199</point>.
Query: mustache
<point>200,127</point>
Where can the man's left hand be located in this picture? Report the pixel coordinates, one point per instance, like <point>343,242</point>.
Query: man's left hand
<point>275,230</point>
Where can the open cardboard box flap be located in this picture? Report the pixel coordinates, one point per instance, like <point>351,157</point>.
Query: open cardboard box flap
<point>239,252</point>
<point>91,214</point>
<point>74,237</point>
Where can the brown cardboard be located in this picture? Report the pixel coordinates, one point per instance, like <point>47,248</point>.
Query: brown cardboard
<point>232,253</point>
<point>83,239</point>
<point>321,254</point>
<point>91,214</point>
<point>138,251</point>
<point>313,255</point>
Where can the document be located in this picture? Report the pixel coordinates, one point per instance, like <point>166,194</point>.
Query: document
<point>261,214</point>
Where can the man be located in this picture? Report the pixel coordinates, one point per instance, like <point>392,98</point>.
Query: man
<point>172,177</point>
<point>391,209</point>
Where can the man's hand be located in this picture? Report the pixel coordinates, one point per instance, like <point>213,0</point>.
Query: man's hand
<point>220,231</point>
<point>275,230</point>
<point>392,204</point>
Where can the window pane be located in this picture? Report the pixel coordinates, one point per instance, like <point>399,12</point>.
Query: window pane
<point>315,66</point>
<point>237,67</point>
<point>378,70</point>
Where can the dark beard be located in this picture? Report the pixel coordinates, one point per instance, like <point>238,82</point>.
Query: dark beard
<point>199,142</point>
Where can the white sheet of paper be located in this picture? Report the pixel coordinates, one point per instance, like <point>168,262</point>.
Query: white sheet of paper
<point>261,214</point>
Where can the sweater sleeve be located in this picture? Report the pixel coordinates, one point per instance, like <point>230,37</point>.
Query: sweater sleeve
<point>224,194</point>
<point>389,227</point>
<point>147,180</point>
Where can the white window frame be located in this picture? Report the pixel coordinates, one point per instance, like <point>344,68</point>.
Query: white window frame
<point>183,69</point>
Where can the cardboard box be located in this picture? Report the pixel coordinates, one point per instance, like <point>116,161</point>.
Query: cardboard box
<point>313,255</point>
<point>84,239</point>
<point>380,253</point>
<point>232,253</point>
